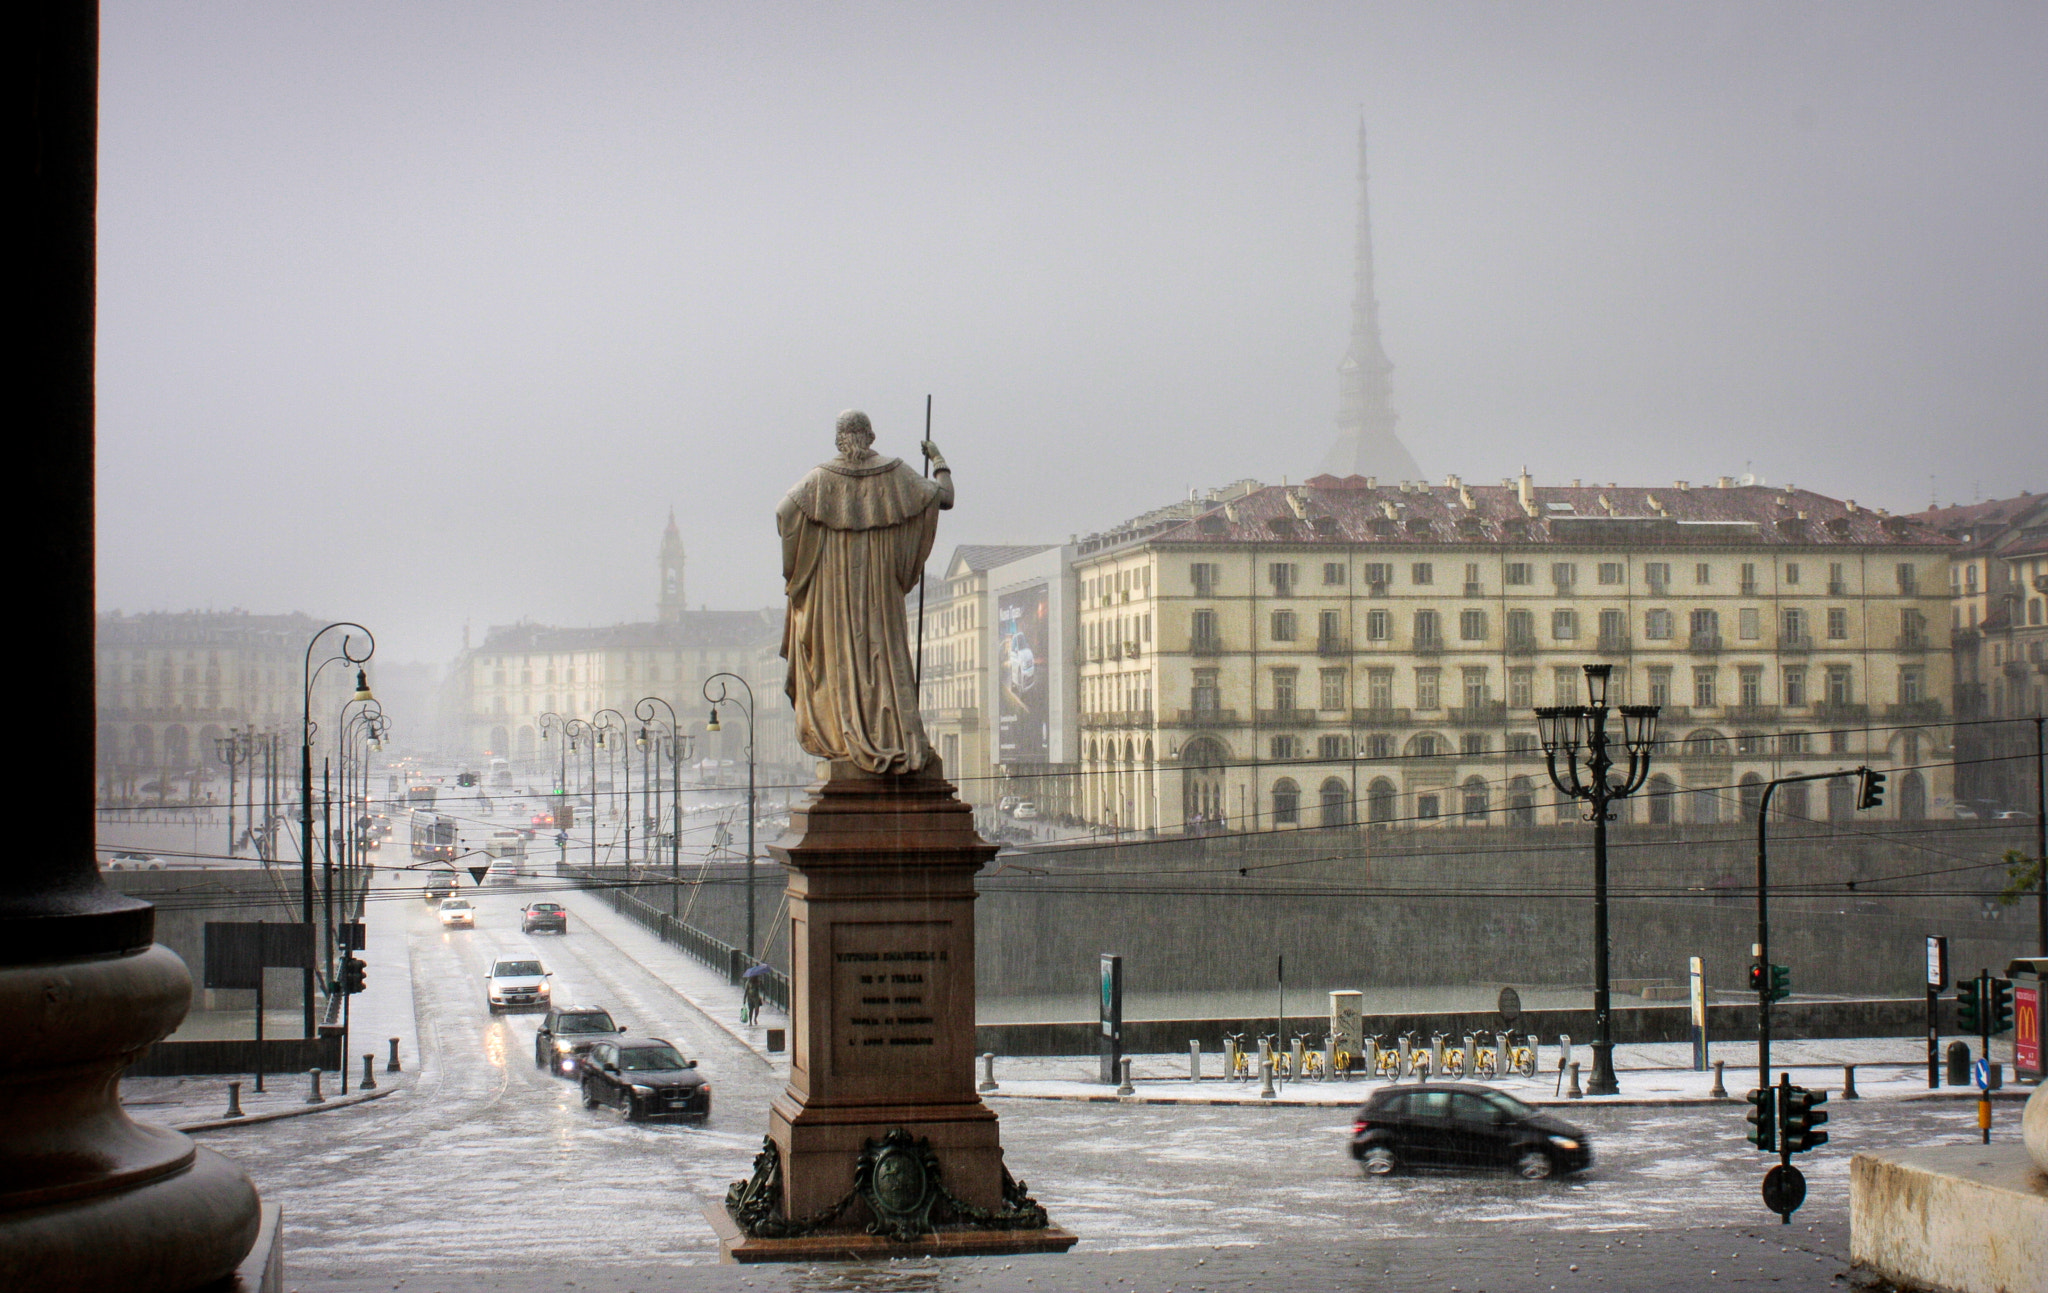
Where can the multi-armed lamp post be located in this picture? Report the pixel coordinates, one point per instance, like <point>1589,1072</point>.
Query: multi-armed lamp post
<point>1563,728</point>
<point>724,697</point>
<point>667,739</point>
<point>607,723</point>
<point>235,749</point>
<point>311,675</point>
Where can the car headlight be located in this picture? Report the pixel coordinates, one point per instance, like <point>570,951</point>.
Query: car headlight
<point>564,1048</point>
<point>1564,1142</point>
<point>638,1089</point>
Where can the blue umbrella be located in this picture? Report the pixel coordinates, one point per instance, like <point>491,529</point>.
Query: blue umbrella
<point>756,971</point>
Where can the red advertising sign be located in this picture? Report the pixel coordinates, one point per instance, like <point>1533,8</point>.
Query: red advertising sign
<point>2026,1027</point>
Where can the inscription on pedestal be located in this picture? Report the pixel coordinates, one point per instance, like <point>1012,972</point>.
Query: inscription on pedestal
<point>891,991</point>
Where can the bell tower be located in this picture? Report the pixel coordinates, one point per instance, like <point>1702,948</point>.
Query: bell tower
<point>670,605</point>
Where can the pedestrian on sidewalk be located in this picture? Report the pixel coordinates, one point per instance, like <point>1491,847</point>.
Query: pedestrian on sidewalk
<point>750,1004</point>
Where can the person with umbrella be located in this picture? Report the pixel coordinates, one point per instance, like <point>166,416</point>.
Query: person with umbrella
<point>750,1004</point>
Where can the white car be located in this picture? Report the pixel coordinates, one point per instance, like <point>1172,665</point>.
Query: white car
<point>456,913</point>
<point>1024,811</point>
<point>516,982</point>
<point>135,862</point>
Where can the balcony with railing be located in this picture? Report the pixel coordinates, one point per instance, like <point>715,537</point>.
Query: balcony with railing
<point>1286,718</point>
<point>1390,716</point>
<point>1659,588</point>
<point>1487,713</point>
<point>1430,644</point>
<point>1914,711</point>
<point>1747,588</point>
<point>1117,718</point>
<point>1207,716</point>
<point>1837,588</point>
<point>1795,643</point>
<point>1752,713</point>
<point>1703,643</point>
<point>1913,641</point>
<point>1521,644</point>
<point>1205,644</point>
<point>1612,644</point>
<point>1333,645</point>
<point>1840,711</point>
<point>1473,588</point>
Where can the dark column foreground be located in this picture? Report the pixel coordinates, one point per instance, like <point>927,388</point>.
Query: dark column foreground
<point>89,1199</point>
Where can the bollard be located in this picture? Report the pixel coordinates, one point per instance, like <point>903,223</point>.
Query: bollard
<point>234,1100</point>
<point>313,1095</point>
<point>1266,1091</point>
<point>1720,1091</point>
<point>1849,1082</point>
<point>988,1071</point>
<point>1436,1056</point>
<point>1127,1088</point>
<point>1294,1050</point>
<point>1329,1056</point>
<point>1229,1058</point>
<point>1372,1057</point>
<point>1194,1060</point>
<point>1573,1092</point>
<point>369,1082</point>
<point>392,1067</point>
<point>1959,1064</point>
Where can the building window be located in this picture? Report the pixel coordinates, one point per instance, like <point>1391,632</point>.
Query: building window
<point>1281,573</point>
<point>1521,629</point>
<point>1563,574</point>
<point>1748,586</point>
<point>1522,743</point>
<point>1330,747</point>
<point>1838,580</point>
<point>1613,629</point>
<point>1334,692</point>
<point>1423,746</point>
<point>1703,687</point>
<point>1202,630</point>
<point>1660,685</point>
<point>1564,625</point>
<point>1611,572</point>
<point>1379,745</point>
<point>1795,687</point>
<point>1912,685</point>
<point>1706,627</point>
<point>1472,626</point>
<point>1791,572</point>
<point>1702,574</point>
<point>1333,573</point>
<point>1283,626</point>
<point>1207,697</point>
<point>1751,743</point>
<point>1472,744</point>
<point>1329,629</point>
<point>1473,587</point>
<point>1657,574</point>
<point>1839,691</point>
<point>1283,688</point>
<point>1286,802</point>
<point>1521,688</point>
<point>1426,687</point>
<point>1795,624</point>
<point>1749,624</point>
<point>1379,626</point>
<point>1427,807</point>
<point>1205,576</point>
<point>1838,624</point>
<point>1909,579</point>
<point>1657,625</point>
<point>1428,634</point>
<point>1564,683</point>
<point>1379,574</point>
<point>1752,685</point>
<point>1475,802</point>
<point>1379,689</point>
<point>1282,747</point>
<point>1421,573</point>
<point>1475,686</point>
<point>1519,574</point>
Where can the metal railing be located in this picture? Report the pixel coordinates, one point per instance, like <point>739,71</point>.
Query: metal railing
<point>716,953</point>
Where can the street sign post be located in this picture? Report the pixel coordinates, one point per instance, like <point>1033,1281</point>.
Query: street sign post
<point>1937,979</point>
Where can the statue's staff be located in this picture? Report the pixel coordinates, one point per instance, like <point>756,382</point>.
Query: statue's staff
<point>917,674</point>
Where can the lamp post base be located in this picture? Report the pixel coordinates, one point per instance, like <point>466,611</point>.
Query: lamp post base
<point>1603,1082</point>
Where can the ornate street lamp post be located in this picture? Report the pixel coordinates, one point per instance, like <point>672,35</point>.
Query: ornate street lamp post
<point>234,749</point>
<point>724,697</point>
<point>306,731</point>
<point>1562,728</point>
<point>606,722</point>
<point>676,746</point>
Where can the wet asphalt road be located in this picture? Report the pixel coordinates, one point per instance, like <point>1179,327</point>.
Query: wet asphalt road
<point>491,1175</point>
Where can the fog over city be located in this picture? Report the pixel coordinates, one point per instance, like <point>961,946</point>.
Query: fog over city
<point>427,314</point>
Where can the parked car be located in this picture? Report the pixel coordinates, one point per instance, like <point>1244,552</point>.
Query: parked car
<point>549,916</point>
<point>645,1078</point>
<point>456,913</point>
<point>1463,1125</point>
<point>514,982</point>
<point>566,1035</point>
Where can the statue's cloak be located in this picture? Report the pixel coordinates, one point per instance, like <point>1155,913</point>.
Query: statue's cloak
<point>855,537</point>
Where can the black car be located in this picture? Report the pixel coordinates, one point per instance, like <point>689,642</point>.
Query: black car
<point>644,1079</point>
<point>1463,1125</point>
<point>549,916</point>
<point>437,888</point>
<point>566,1035</point>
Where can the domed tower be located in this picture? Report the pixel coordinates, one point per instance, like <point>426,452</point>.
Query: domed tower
<point>670,606</point>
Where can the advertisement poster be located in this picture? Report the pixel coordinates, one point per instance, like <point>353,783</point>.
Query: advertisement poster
<point>1023,678</point>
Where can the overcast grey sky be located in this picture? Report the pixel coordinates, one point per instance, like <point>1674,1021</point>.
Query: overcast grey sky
<point>425,314</point>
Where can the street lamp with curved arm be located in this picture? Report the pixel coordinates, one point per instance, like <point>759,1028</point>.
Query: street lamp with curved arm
<point>311,675</point>
<point>677,749</point>
<point>725,697</point>
<point>607,722</point>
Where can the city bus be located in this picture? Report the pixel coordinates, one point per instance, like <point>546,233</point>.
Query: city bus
<point>433,836</point>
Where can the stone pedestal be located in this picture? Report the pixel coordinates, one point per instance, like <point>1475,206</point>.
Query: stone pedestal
<point>881,938</point>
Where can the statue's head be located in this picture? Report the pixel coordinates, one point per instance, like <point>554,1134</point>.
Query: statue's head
<point>855,435</point>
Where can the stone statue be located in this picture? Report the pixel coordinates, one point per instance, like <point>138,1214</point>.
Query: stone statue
<point>855,535</point>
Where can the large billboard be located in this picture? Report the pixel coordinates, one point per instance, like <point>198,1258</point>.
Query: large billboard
<point>1024,707</point>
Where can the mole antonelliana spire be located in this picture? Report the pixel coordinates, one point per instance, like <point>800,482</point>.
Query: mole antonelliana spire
<point>1366,444</point>
<point>670,605</point>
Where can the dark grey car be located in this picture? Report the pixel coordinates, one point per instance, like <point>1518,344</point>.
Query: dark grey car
<point>1463,1125</point>
<point>643,1079</point>
<point>566,1035</point>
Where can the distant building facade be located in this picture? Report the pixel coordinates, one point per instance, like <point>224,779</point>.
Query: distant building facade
<point>1346,651</point>
<point>170,685</point>
<point>954,685</point>
<point>1998,586</point>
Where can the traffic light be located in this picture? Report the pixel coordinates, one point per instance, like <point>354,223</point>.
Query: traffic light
<point>1756,977</point>
<point>1781,982</point>
<point>2000,1006</point>
<point>1762,1119</point>
<point>354,974</point>
<point>1871,793</point>
<point>1799,1118</point>
<point>1969,1010</point>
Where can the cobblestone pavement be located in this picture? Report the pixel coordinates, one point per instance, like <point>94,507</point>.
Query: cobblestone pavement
<point>488,1173</point>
